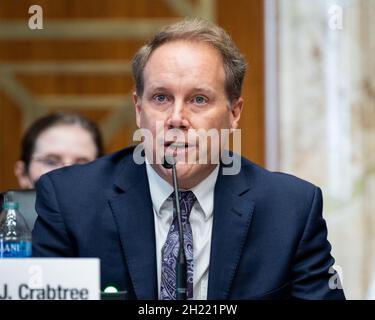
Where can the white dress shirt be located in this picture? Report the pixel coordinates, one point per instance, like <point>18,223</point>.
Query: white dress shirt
<point>200,220</point>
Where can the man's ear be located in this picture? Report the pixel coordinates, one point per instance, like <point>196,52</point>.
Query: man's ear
<point>23,178</point>
<point>236,109</point>
<point>137,105</point>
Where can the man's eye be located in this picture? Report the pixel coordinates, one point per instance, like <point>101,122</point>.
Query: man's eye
<point>160,98</point>
<point>199,100</point>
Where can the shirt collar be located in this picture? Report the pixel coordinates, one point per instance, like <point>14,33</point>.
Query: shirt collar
<point>160,190</point>
<point>204,192</point>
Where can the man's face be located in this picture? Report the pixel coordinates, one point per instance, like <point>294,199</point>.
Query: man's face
<point>184,89</point>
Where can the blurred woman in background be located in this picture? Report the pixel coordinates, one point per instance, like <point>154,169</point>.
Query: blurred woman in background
<point>54,141</point>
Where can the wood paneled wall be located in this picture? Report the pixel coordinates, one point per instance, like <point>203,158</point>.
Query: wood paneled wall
<point>26,93</point>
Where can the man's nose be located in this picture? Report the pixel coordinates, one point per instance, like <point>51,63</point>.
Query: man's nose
<point>178,116</point>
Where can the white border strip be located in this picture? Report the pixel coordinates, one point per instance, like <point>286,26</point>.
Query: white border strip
<point>271,86</point>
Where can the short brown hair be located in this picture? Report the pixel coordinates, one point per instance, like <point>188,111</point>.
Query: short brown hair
<point>196,30</point>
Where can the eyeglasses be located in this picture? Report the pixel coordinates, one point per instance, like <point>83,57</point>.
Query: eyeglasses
<point>55,162</point>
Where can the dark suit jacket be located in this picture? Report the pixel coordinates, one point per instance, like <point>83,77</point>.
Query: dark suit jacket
<point>269,240</point>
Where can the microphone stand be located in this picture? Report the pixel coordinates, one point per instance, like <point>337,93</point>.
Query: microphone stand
<point>181,267</point>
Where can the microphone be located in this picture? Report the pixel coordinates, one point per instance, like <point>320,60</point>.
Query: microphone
<point>169,162</point>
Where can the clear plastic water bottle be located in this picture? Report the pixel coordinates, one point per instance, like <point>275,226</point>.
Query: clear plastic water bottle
<point>15,235</point>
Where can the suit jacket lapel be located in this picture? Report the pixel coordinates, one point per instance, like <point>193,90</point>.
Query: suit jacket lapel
<point>233,210</point>
<point>133,213</point>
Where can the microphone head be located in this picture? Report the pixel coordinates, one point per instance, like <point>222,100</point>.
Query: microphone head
<point>168,162</point>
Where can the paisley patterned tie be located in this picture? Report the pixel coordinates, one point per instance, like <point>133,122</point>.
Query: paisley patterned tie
<point>170,250</point>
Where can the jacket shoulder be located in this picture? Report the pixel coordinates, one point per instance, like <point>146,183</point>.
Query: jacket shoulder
<point>273,178</point>
<point>100,172</point>
<point>283,189</point>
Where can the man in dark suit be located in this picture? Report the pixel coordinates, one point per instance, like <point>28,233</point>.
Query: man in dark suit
<point>248,234</point>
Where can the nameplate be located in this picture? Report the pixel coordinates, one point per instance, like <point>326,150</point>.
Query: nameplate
<point>50,279</point>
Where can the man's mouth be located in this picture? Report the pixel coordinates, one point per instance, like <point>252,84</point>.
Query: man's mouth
<point>176,147</point>
<point>176,144</point>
